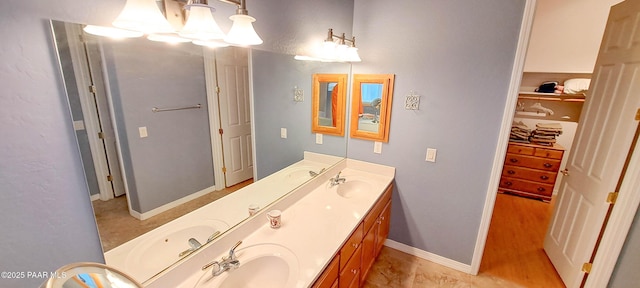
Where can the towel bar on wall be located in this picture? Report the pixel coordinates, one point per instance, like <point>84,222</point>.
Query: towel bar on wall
<point>156,109</point>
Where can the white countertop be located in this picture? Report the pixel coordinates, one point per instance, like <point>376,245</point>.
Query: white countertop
<point>315,223</point>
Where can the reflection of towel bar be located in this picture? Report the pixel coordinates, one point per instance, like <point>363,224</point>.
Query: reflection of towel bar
<point>156,109</point>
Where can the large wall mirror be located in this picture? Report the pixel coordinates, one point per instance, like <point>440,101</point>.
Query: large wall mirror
<point>160,115</point>
<point>371,106</point>
<point>329,98</point>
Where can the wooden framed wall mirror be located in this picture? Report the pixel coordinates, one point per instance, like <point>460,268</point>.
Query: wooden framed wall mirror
<point>329,100</point>
<point>371,106</point>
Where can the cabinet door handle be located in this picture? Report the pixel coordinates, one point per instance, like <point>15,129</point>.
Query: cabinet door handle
<point>511,172</point>
<point>355,245</point>
<point>548,165</point>
<point>354,271</point>
<point>544,177</point>
<point>540,189</point>
<point>513,160</point>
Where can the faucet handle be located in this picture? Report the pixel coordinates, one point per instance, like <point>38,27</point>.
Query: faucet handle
<point>232,252</point>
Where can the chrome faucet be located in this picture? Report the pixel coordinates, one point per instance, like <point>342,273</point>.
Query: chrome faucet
<point>227,263</point>
<point>336,180</point>
<point>314,174</point>
<point>194,246</point>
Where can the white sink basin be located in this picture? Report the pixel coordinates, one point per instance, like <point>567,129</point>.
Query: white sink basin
<point>162,248</point>
<point>352,188</point>
<point>261,266</point>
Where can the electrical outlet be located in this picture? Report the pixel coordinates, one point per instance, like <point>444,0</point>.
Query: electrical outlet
<point>377,147</point>
<point>283,133</point>
<point>143,132</point>
<point>431,155</point>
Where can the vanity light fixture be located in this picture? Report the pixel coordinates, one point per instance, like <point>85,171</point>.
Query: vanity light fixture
<point>335,49</point>
<point>144,16</point>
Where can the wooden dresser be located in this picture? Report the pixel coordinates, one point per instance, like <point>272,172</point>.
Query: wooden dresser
<point>531,170</point>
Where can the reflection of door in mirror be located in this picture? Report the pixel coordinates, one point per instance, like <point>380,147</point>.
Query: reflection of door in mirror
<point>329,100</point>
<point>371,106</point>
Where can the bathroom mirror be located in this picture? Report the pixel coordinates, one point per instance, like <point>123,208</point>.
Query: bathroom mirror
<point>328,103</point>
<point>371,106</point>
<point>88,274</point>
<point>141,75</point>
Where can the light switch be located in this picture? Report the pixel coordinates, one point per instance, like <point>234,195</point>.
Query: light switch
<point>431,155</point>
<point>318,138</point>
<point>377,147</point>
<point>283,133</point>
<point>143,132</point>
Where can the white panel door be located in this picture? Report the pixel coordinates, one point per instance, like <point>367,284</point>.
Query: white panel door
<point>602,143</point>
<point>235,116</point>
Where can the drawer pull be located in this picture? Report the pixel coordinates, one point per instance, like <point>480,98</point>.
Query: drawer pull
<point>511,172</point>
<point>544,177</point>
<point>513,160</point>
<point>354,271</point>
<point>547,165</point>
<point>355,245</point>
<point>508,183</point>
<point>540,189</point>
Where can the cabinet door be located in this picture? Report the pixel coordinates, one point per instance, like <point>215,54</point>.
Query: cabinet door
<point>383,228</point>
<point>329,277</point>
<point>368,250</point>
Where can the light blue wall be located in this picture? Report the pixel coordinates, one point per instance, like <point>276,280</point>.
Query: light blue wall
<point>175,159</point>
<point>274,77</point>
<point>458,55</point>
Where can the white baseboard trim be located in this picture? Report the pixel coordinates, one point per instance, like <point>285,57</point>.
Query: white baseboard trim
<point>95,197</point>
<point>165,207</point>
<point>428,256</point>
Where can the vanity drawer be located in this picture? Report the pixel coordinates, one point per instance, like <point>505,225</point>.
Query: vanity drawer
<point>374,213</point>
<point>519,149</point>
<point>526,186</point>
<point>351,271</point>
<point>529,174</point>
<point>350,246</point>
<point>532,162</point>
<point>330,275</point>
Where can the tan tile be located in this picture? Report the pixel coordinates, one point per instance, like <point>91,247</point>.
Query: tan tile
<point>392,269</point>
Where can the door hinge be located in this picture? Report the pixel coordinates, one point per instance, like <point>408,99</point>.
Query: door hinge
<point>224,169</point>
<point>101,135</point>
<point>638,114</point>
<point>586,267</point>
<point>612,197</point>
<point>220,131</point>
<point>109,178</point>
<point>93,89</point>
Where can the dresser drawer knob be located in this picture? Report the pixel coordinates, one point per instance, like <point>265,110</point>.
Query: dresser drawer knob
<point>508,183</point>
<point>354,271</point>
<point>547,165</point>
<point>511,172</point>
<point>513,160</point>
<point>544,177</point>
<point>355,245</point>
<point>540,189</point>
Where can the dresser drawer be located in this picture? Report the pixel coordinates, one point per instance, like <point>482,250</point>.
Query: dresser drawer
<point>529,174</point>
<point>532,162</point>
<point>548,153</point>
<point>350,246</point>
<point>526,186</point>
<point>519,149</point>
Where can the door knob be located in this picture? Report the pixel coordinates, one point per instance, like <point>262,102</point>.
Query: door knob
<point>565,172</point>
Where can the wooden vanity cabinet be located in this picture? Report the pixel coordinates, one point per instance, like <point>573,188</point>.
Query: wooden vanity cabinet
<point>350,266</point>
